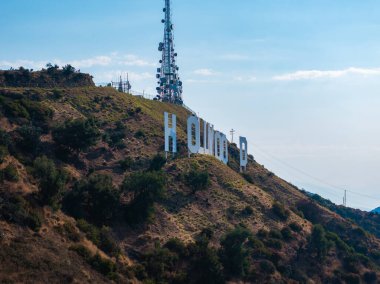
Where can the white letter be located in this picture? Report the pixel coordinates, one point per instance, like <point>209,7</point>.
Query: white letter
<point>224,145</point>
<point>211,133</point>
<point>243,153</point>
<point>193,143</point>
<point>170,132</point>
<point>221,147</point>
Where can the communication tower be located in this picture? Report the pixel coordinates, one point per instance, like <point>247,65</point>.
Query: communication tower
<point>122,85</point>
<point>169,84</point>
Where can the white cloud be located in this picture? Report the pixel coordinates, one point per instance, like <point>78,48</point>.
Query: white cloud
<point>89,62</point>
<point>133,60</point>
<point>205,72</point>
<point>112,75</point>
<point>113,59</point>
<point>245,79</point>
<point>326,74</point>
<point>5,64</point>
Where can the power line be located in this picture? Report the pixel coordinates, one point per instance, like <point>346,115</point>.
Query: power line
<point>337,188</point>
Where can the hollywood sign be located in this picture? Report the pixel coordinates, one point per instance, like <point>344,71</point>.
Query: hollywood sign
<point>212,143</point>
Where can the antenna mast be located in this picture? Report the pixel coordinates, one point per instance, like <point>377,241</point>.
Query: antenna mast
<point>232,132</point>
<point>345,198</point>
<point>169,84</point>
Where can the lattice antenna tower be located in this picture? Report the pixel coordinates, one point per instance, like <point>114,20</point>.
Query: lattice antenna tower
<point>122,85</point>
<point>169,84</point>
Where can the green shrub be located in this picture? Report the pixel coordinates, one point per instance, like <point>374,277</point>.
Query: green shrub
<point>28,138</point>
<point>273,243</point>
<point>81,250</point>
<point>102,238</point>
<point>370,277</point>
<point>178,263</point>
<point>140,134</point>
<point>177,246</point>
<point>28,111</point>
<point>76,135</point>
<point>295,227</point>
<point>286,234</point>
<point>159,263</point>
<point>15,209</point>
<point>126,164</point>
<point>204,237</point>
<point>248,177</point>
<point>197,180</point>
<point>310,210</point>
<point>267,267</point>
<point>104,266</point>
<point>51,181</point>
<point>40,115</point>
<point>231,212</point>
<point>353,261</point>
<point>5,138</point>
<point>205,266</point>
<point>234,252</point>
<point>365,260</point>
<point>319,243</point>
<point>297,212</point>
<point>280,211</point>
<point>9,173</point>
<point>352,278</point>
<point>3,153</point>
<point>115,137</point>
<point>68,70</point>
<point>57,94</point>
<point>262,233</point>
<point>359,232</point>
<point>157,163</point>
<point>285,270</point>
<point>299,276</point>
<point>275,234</point>
<point>255,243</point>
<point>14,109</point>
<point>339,243</point>
<point>375,255</point>
<point>146,189</point>
<point>247,211</point>
<point>69,230</point>
<point>94,199</point>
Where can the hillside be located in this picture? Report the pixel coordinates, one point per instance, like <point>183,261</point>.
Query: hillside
<point>370,221</point>
<point>85,196</point>
<point>376,210</point>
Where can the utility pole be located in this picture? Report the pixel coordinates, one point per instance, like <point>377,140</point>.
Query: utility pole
<point>345,198</point>
<point>232,132</point>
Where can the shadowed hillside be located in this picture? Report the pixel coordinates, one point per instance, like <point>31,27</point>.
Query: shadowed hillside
<point>87,196</point>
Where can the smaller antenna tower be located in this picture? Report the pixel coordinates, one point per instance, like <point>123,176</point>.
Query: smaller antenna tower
<point>123,86</point>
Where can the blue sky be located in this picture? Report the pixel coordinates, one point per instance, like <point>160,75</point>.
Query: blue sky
<point>300,79</point>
